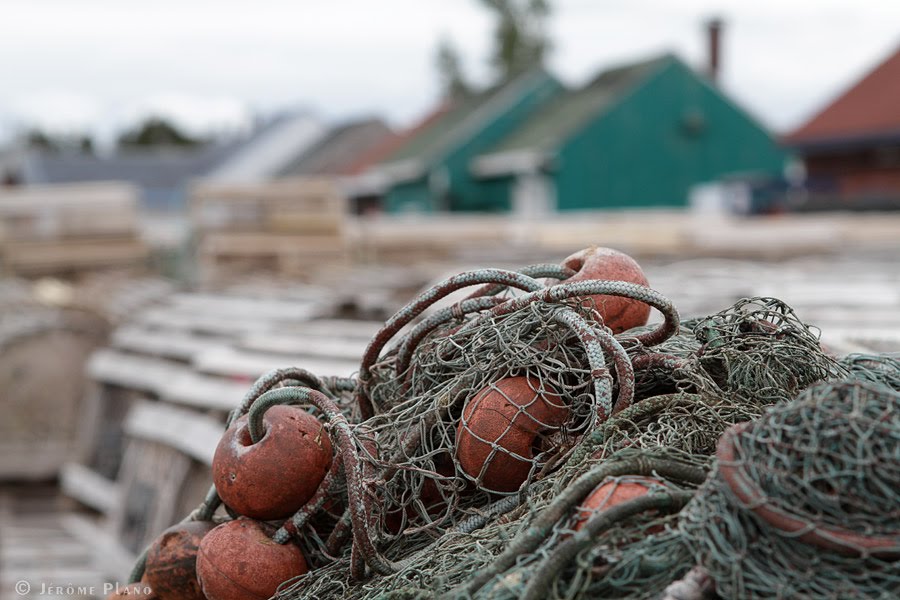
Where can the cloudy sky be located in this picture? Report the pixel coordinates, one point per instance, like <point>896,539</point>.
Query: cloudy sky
<point>99,65</point>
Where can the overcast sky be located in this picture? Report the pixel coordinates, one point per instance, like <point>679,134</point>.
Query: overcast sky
<point>210,64</point>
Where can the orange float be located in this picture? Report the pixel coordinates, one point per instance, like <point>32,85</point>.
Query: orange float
<point>275,477</point>
<point>619,313</point>
<point>238,560</point>
<point>612,492</point>
<point>500,430</point>
<point>171,568</point>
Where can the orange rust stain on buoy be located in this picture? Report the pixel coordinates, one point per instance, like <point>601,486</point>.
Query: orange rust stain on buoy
<point>172,561</point>
<point>276,476</point>
<point>501,427</point>
<point>619,313</point>
<point>238,560</point>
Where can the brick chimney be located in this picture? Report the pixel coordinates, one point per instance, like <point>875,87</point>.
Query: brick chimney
<point>714,49</point>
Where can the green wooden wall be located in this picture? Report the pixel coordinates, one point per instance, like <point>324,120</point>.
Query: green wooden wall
<point>464,192</point>
<point>649,149</point>
<point>409,196</point>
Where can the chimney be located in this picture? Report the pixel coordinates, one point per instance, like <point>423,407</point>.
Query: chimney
<point>714,35</point>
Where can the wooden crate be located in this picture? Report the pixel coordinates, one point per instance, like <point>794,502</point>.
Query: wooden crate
<point>42,356</point>
<point>290,226</point>
<point>65,229</point>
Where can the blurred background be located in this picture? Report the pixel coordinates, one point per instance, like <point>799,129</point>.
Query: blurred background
<point>194,193</point>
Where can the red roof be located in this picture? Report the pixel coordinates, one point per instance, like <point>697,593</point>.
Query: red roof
<point>871,108</point>
<point>387,147</point>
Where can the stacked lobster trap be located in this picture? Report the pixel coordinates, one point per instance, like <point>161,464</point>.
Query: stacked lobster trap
<point>538,439</point>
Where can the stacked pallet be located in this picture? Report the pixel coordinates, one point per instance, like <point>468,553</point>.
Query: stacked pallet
<point>290,226</point>
<point>66,229</point>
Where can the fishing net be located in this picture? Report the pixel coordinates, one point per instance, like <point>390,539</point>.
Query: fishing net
<point>474,437</point>
<point>492,553</point>
<point>720,370</point>
<point>805,502</point>
<point>877,368</point>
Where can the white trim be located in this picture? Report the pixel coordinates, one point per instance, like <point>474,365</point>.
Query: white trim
<point>401,170</point>
<point>508,163</point>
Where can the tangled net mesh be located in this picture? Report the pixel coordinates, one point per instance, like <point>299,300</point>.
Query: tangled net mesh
<point>805,502</point>
<point>428,497</point>
<point>876,368</point>
<point>647,405</point>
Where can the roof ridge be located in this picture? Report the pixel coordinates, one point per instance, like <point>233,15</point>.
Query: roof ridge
<point>862,108</point>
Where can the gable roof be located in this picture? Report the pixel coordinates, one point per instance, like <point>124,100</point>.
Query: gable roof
<point>566,114</point>
<point>870,109</point>
<point>270,149</point>
<point>340,150</point>
<point>463,119</point>
<point>148,169</point>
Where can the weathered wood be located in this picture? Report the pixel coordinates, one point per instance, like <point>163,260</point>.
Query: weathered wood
<point>216,324</point>
<point>305,346</point>
<point>173,344</point>
<point>41,383</point>
<point>166,380</point>
<point>88,487</point>
<point>71,210</point>
<point>239,306</point>
<point>287,226</point>
<point>188,432</point>
<point>237,363</point>
<point>108,554</point>
<point>50,257</point>
<point>150,479</point>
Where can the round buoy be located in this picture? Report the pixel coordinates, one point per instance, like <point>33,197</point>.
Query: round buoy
<point>171,568</point>
<point>618,313</point>
<point>238,560</point>
<point>501,431</point>
<point>612,492</point>
<point>276,476</point>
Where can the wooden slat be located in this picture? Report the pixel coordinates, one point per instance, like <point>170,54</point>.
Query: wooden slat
<point>189,432</point>
<point>238,363</point>
<point>340,328</point>
<point>235,306</point>
<point>88,487</point>
<point>219,324</point>
<point>301,347</point>
<point>165,343</point>
<point>109,556</point>
<point>31,258</point>
<point>167,380</point>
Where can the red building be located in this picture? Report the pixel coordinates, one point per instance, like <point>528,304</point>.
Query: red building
<point>851,148</point>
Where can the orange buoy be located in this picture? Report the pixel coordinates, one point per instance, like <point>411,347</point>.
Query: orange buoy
<point>498,436</point>
<point>612,492</point>
<point>275,477</point>
<point>619,313</point>
<point>238,560</point>
<point>134,591</point>
<point>171,568</point>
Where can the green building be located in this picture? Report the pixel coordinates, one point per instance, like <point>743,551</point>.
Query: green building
<point>640,135</point>
<point>431,171</point>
